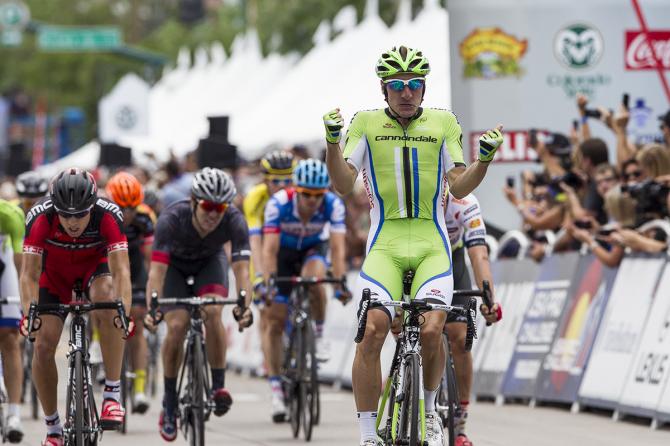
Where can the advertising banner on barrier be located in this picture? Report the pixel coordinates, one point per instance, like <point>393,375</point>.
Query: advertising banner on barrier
<point>563,367</point>
<point>663,410</point>
<point>514,285</point>
<point>651,366</point>
<point>620,331</point>
<point>539,324</point>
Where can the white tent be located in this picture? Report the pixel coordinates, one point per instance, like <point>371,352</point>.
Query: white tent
<point>280,99</point>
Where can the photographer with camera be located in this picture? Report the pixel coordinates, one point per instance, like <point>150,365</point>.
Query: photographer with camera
<point>617,122</point>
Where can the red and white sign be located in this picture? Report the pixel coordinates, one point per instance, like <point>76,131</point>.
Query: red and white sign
<point>514,148</point>
<point>638,54</point>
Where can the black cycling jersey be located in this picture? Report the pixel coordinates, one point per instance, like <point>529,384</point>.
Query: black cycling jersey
<point>175,238</point>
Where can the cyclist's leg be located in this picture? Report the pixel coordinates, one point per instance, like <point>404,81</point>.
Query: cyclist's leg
<point>289,262</point>
<point>177,322</point>
<point>212,281</point>
<point>433,281</point>
<point>315,266</point>
<point>45,373</point>
<point>137,346</point>
<point>100,289</point>
<point>457,329</point>
<point>11,342</point>
<point>382,273</point>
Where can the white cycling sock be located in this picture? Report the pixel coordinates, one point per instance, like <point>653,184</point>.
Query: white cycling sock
<point>13,410</point>
<point>112,390</point>
<point>53,424</point>
<point>367,424</point>
<point>429,399</point>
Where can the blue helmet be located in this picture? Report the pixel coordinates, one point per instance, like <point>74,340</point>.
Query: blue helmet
<point>311,174</point>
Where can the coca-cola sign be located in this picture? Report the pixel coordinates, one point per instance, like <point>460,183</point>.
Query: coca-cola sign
<point>638,53</point>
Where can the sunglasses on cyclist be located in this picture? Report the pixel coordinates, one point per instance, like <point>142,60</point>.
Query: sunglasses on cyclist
<point>77,215</point>
<point>314,193</point>
<point>399,84</point>
<point>280,181</point>
<point>210,206</point>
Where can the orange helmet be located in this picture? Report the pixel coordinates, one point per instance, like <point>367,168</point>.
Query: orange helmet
<point>125,190</point>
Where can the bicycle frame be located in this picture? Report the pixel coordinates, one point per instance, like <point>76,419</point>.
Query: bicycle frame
<point>78,344</point>
<point>194,339</point>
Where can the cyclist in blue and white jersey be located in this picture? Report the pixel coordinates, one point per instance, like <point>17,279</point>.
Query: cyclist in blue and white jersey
<point>298,222</point>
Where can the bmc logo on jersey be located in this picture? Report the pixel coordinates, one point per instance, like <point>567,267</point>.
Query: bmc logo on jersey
<point>111,207</point>
<point>37,209</point>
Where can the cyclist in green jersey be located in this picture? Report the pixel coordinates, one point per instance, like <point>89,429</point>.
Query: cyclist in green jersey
<point>12,230</point>
<point>410,158</point>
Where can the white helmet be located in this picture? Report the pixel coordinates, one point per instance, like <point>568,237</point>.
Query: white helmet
<point>213,185</point>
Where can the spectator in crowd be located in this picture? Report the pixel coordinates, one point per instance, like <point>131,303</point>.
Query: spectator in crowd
<point>587,157</point>
<point>630,172</point>
<point>665,128</point>
<point>178,185</point>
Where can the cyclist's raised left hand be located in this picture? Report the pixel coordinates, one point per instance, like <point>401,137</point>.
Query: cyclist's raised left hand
<point>489,143</point>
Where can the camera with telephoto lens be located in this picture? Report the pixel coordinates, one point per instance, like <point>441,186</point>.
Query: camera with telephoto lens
<point>651,199</point>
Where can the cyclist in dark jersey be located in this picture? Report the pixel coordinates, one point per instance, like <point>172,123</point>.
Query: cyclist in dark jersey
<point>138,225</point>
<point>75,236</point>
<point>189,241</point>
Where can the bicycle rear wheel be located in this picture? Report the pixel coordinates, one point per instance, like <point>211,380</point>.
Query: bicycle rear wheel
<point>198,398</point>
<point>409,406</point>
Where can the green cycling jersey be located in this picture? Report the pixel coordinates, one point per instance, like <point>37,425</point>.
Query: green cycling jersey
<point>404,173</point>
<point>12,224</point>
<point>404,170</point>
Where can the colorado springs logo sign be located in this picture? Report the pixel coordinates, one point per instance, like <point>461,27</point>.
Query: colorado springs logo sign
<point>578,46</point>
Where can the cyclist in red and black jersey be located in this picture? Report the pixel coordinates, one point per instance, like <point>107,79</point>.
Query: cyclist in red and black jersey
<point>189,240</point>
<point>75,236</point>
<point>138,225</point>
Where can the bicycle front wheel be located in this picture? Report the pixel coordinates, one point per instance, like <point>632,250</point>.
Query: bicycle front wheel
<point>309,383</point>
<point>124,390</point>
<point>447,398</point>
<point>409,406</point>
<point>294,371</point>
<point>198,400</point>
<point>78,397</point>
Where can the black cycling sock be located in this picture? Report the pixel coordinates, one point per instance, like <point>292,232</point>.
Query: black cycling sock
<point>170,398</point>
<point>218,378</point>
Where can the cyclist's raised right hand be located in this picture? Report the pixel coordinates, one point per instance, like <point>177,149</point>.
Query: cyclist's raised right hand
<point>333,123</point>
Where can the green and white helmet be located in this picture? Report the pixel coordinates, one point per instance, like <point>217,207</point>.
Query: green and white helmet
<point>402,60</point>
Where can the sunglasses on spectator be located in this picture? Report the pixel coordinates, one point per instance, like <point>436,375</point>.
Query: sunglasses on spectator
<point>210,206</point>
<point>399,84</point>
<point>77,215</point>
<point>633,174</point>
<point>314,193</point>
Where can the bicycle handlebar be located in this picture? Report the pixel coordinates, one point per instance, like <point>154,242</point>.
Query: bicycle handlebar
<point>77,307</point>
<point>298,280</point>
<point>193,301</point>
<point>418,305</point>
